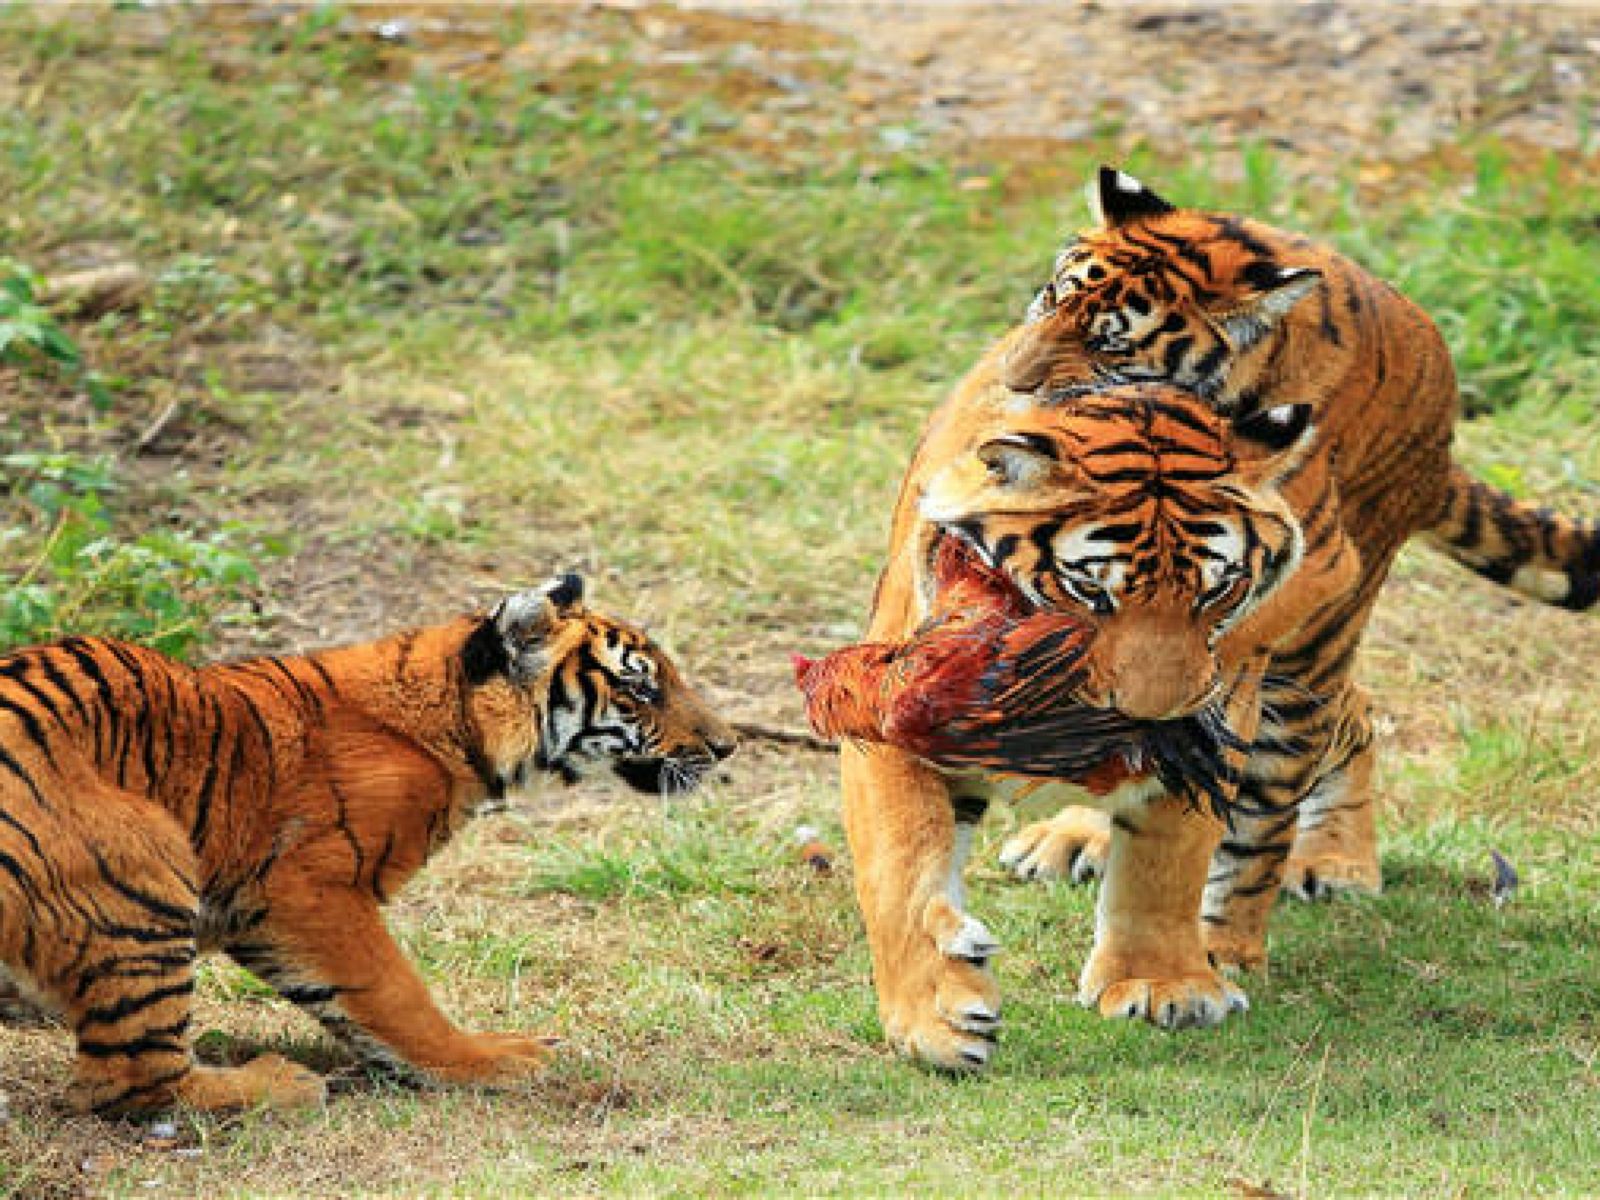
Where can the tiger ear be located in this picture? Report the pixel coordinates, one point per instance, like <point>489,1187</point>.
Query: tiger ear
<point>529,617</point>
<point>1018,460</point>
<point>1116,198</point>
<point>1276,291</point>
<point>512,640</point>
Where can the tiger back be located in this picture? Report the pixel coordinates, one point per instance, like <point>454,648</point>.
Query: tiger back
<point>150,811</point>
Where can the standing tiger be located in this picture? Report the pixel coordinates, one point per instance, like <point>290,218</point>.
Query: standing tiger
<point>1311,360</point>
<point>1280,335</point>
<point>268,808</point>
<point>1177,542</point>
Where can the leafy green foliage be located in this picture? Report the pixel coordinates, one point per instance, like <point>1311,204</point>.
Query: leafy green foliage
<point>160,587</point>
<point>32,340</point>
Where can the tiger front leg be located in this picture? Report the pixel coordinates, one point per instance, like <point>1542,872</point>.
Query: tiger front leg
<point>329,951</point>
<point>937,1000</point>
<point>1149,960</point>
<point>1307,788</point>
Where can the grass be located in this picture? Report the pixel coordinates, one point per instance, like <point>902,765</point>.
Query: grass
<point>452,327</point>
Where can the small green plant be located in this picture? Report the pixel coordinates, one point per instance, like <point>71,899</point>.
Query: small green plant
<point>33,341</point>
<point>160,587</point>
<point>677,862</point>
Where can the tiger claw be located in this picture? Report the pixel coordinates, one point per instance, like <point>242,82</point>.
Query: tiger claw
<point>972,943</point>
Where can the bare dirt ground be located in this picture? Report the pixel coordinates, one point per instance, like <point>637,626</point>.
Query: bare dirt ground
<point>1418,76</point>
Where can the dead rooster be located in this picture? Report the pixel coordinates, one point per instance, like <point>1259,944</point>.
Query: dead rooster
<point>989,684</point>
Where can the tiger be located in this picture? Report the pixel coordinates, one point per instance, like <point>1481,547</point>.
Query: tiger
<point>268,808</point>
<point>1282,335</point>
<point>1138,509</point>
<point>1308,357</point>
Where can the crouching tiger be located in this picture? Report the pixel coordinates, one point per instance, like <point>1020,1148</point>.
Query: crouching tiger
<point>1177,542</point>
<point>268,808</point>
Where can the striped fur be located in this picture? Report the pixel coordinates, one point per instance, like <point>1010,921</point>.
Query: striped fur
<point>1280,334</point>
<point>1137,508</point>
<point>1127,507</point>
<point>150,811</point>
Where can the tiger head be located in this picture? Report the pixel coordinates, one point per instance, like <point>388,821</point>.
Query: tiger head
<point>1127,507</point>
<point>559,688</point>
<point>1197,299</point>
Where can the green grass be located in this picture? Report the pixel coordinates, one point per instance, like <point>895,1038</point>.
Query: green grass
<point>437,335</point>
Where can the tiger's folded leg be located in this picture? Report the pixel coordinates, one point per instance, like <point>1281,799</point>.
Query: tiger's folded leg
<point>908,841</point>
<point>121,968</point>
<point>326,948</point>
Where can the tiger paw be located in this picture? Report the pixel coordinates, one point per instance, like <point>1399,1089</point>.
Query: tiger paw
<point>1074,844</point>
<point>1325,876</point>
<point>1233,952</point>
<point>499,1059</point>
<point>942,1006</point>
<point>1172,994</point>
<point>517,1056</point>
<point>1196,1001</point>
<point>952,1022</point>
<point>269,1080</point>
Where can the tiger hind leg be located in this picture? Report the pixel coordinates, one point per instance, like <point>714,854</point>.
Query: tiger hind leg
<point>1336,847</point>
<point>1074,844</point>
<point>119,964</point>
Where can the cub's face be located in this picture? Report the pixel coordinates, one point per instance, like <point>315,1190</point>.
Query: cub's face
<point>1125,506</point>
<point>568,690</point>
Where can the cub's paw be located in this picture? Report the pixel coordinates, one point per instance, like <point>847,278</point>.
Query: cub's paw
<point>1074,844</point>
<point>1325,876</point>
<point>268,1080</point>
<point>280,1083</point>
<point>1189,1002</point>
<point>498,1059</point>
<point>517,1056</point>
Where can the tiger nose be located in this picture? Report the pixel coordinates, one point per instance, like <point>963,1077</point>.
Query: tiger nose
<point>721,748</point>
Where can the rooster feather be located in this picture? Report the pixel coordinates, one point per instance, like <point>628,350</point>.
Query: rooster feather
<point>986,684</point>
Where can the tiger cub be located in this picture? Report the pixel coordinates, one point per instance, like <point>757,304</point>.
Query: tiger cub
<point>268,808</point>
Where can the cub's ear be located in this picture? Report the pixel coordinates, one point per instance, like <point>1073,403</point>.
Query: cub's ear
<point>565,592</point>
<point>1274,291</point>
<point>511,641</point>
<point>1116,198</point>
<point>527,618</point>
<point>1018,459</point>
